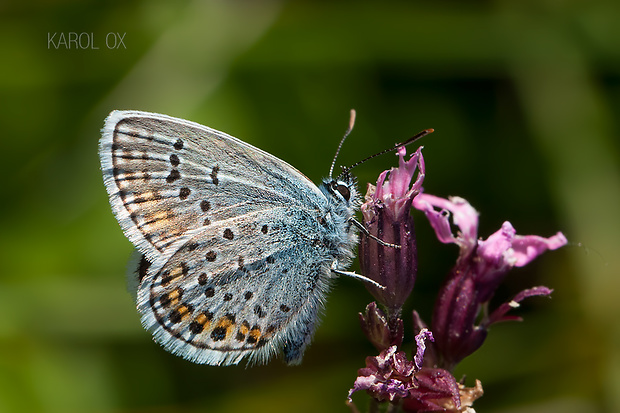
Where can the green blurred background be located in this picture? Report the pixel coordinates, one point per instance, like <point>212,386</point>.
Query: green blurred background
<point>524,96</point>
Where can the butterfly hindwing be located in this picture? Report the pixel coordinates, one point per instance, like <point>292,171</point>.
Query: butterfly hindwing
<point>237,288</point>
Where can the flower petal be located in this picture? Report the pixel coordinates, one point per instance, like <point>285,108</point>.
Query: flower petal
<point>420,341</point>
<point>500,313</point>
<point>495,250</point>
<point>399,182</point>
<point>430,353</point>
<point>528,247</point>
<point>463,215</point>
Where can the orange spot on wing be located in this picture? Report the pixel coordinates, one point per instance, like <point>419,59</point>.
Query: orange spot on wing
<point>174,296</point>
<point>255,335</point>
<point>183,310</point>
<point>202,319</point>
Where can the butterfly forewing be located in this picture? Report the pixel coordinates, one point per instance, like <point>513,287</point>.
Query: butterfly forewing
<point>166,177</point>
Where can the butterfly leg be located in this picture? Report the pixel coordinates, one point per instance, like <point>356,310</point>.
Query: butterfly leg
<point>353,274</point>
<point>368,234</point>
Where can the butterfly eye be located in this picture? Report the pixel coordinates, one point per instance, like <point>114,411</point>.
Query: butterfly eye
<point>344,191</point>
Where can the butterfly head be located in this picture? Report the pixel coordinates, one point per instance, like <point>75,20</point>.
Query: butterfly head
<point>343,190</point>
<point>339,233</point>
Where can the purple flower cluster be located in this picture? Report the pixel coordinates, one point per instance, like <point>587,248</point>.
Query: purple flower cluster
<point>461,316</point>
<point>390,376</point>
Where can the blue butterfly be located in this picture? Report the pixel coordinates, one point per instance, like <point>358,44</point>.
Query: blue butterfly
<point>235,247</point>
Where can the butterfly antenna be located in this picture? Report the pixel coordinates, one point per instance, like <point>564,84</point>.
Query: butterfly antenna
<point>398,145</point>
<point>349,129</point>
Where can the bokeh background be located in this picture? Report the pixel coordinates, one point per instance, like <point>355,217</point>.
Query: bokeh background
<point>525,99</point>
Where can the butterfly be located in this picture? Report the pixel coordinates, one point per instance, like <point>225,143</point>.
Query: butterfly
<point>235,247</point>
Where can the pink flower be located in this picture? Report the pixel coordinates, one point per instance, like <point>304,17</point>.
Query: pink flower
<point>387,216</point>
<point>390,376</point>
<point>480,268</point>
<point>460,320</point>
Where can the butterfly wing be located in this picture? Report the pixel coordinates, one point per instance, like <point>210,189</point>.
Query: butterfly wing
<point>167,177</point>
<point>230,235</point>
<point>249,285</point>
